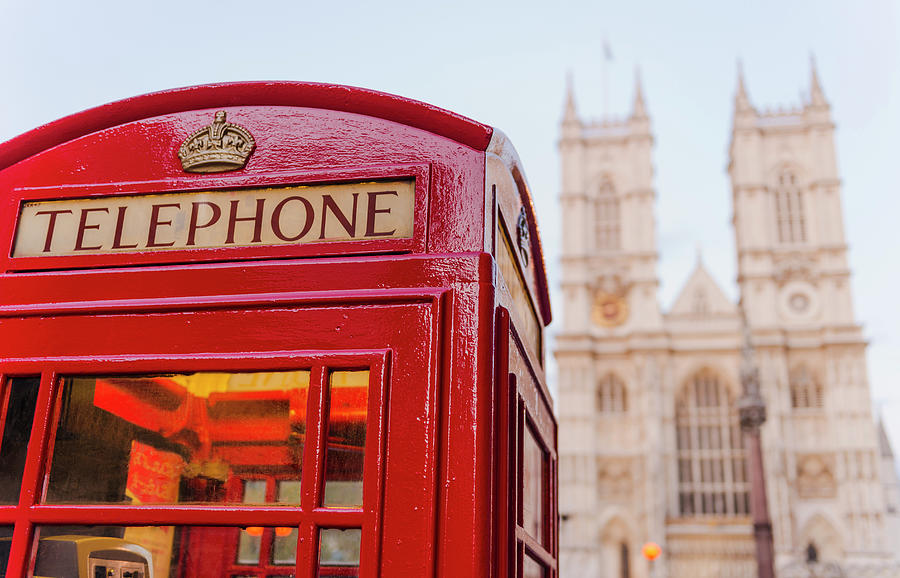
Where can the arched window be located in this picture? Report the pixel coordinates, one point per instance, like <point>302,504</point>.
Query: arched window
<point>624,564</point>
<point>614,551</point>
<point>612,397</point>
<point>606,216</point>
<point>712,469</point>
<point>789,218</point>
<point>806,391</point>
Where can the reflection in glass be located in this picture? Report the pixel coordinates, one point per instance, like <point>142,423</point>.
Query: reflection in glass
<point>338,547</point>
<point>284,549</point>
<point>249,545</point>
<point>176,438</point>
<point>254,492</point>
<point>288,492</point>
<point>188,551</point>
<point>533,486</point>
<point>110,550</point>
<point>18,399</point>
<point>346,430</point>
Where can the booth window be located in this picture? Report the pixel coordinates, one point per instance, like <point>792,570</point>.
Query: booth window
<point>18,397</point>
<point>534,486</point>
<point>532,569</point>
<point>532,530</point>
<point>347,406</point>
<point>238,444</point>
<point>338,548</point>
<point>176,438</point>
<point>6,533</point>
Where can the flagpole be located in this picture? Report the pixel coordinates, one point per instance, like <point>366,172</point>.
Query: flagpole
<point>607,56</point>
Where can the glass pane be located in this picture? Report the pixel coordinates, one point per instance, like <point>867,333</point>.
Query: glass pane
<point>531,568</point>
<point>176,438</point>
<point>254,492</point>
<point>345,453</point>
<point>249,545</point>
<point>189,551</point>
<point>533,487</point>
<point>288,492</point>
<point>340,549</point>
<point>6,533</point>
<point>16,427</point>
<point>284,550</point>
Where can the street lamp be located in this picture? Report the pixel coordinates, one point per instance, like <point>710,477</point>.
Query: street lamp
<point>752,413</point>
<point>651,552</point>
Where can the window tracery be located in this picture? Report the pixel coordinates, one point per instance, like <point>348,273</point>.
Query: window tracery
<point>789,213</point>
<point>806,391</point>
<point>712,469</point>
<point>612,397</point>
<point>606,216</point>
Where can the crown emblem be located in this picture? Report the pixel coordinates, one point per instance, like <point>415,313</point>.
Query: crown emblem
<point>523,236</point>
<point>221,146</point>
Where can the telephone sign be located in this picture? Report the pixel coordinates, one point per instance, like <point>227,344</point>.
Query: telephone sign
<point>242,218</point>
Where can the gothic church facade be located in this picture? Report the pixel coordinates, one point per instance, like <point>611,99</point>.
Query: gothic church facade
<point>650,445</point>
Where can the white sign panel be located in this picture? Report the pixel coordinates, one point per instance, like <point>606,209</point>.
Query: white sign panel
<point>205,219</point>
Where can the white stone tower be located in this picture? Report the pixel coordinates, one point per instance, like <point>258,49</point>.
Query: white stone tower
<point>822,451</point>
<point>610,336</point>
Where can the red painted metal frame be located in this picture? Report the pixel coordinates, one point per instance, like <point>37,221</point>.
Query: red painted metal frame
<point>523,404</point>
<point>428,305</point>
<point>30,512</point>
<point>504,442</point>
<point>301,94</point>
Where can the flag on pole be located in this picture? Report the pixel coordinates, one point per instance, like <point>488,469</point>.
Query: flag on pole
<point>607,51</point>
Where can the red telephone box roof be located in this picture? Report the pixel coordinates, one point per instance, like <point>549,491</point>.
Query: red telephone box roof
<point>335,97</point>
<point>268,93</point>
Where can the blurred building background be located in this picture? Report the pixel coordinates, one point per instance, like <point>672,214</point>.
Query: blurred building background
<point>650,444</point>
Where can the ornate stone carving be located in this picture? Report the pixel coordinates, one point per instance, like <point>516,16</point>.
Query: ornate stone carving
<point>221,146</point>
<point>814,478</point>
<point>610,307</point>
<point>613,283</point>
<point>794,266</point>
<point>614,477</point>
<point>609,310</point>
<point>798,301</point>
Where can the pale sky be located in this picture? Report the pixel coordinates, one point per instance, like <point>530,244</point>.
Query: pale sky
<point>505,64</point>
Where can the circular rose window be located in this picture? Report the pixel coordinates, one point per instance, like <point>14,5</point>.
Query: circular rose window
<point>799,302</point>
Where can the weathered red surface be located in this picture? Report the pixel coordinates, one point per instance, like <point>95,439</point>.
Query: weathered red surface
<point>441,499</point>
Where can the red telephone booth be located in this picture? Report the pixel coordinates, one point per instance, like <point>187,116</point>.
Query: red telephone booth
<point>272,330</point>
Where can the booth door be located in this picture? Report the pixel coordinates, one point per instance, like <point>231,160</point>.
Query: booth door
<point>228,443</point>
<point>529,530</point>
